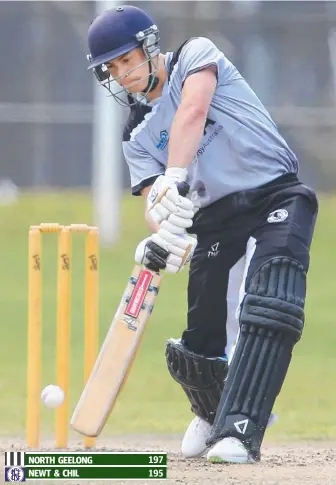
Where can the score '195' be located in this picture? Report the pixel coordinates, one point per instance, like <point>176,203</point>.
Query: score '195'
<point>155,473</point>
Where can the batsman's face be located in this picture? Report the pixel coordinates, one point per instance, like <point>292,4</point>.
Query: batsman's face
<point>130,70</point>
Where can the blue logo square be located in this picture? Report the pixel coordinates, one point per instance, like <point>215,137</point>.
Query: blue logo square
<point>15,474</point>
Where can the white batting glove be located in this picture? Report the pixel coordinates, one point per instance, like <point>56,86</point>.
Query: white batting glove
<point>167,251</point>
<point>165,204</point>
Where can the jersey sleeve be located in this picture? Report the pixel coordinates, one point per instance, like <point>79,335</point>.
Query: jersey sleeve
<point>200,53</point>
<point>143,168</point>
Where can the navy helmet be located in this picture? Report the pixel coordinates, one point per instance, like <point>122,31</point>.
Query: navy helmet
<point>116,32</point>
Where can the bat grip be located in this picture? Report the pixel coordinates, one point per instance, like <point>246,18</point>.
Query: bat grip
<point>183,188</point>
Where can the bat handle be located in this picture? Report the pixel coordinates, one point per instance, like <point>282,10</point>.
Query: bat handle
<point>183,188</point>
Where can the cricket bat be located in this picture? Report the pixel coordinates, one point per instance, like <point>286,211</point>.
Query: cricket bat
<point>117,353</point>
<point>119,349</point>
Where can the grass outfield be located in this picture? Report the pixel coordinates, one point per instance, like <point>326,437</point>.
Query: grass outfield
<point>151,401</point>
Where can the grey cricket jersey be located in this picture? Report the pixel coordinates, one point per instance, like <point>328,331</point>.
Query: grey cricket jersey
<point>241,147</point>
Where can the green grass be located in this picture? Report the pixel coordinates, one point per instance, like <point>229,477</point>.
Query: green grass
<point>151,402</point>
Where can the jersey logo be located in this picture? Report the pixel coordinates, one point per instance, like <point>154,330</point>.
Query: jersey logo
<point>164,137</point>
<point>211,131</point>
<point>210,122</point>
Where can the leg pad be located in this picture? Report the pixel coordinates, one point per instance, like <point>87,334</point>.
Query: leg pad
<point>202,378</point>
<point>271,322</point>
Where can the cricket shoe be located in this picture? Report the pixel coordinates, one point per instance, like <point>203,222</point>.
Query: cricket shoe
<point>194,440</point>
<point>231,450</point>
<point>197,433</point>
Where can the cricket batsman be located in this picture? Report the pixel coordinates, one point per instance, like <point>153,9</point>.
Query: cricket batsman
<point>193,118</point>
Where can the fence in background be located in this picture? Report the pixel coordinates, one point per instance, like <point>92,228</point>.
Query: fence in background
<point>286,50</point>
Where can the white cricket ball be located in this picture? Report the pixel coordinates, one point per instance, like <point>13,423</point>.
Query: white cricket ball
<point>52,396</point>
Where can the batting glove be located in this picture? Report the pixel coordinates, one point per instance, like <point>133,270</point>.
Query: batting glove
<point>166,251</point>
<point>165,204</point>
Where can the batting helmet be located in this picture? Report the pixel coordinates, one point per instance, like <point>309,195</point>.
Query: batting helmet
<point>116,32</point>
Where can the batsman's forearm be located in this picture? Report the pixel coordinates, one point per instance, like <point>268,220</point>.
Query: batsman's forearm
<point>186,135</point>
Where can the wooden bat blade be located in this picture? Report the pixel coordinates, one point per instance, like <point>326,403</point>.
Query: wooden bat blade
<point>117,353</point>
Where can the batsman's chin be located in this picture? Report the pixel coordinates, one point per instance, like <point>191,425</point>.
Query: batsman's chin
<point>135,86</point>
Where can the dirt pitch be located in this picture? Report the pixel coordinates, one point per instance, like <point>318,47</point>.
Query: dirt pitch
<point>298,463</point>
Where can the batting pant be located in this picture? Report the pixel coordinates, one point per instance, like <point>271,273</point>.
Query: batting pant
<point>223,265</point>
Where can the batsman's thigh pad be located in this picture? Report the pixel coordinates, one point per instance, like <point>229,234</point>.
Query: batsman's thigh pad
<point>202,378</point>
<point>271,322</point>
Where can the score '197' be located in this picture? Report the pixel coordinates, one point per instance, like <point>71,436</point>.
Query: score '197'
<point>156,473</point>
<point>155,459</point>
